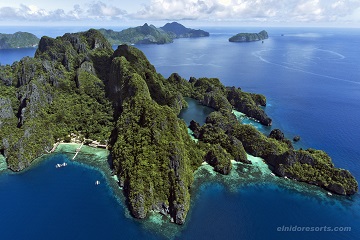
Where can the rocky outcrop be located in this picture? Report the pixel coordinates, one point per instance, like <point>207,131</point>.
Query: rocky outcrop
<point>310,166</point>
<point>6,110</point>
<point>222,119</point>
<point>296,138</point>
<point>314,167</point>
<point>219,159</point>
<point>337,188</point>
<point>213,133</point>
<point>259,99</point>
<point>137,205</point>
<point>195,127</point>
<point>244,102</point>
<point>210,92</point>
<point>6,76</point>
<point>277,134</point>
<point>216,100</point>
<point>236,149</point>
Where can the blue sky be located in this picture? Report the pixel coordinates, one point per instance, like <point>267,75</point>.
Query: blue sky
<point>342,13</point>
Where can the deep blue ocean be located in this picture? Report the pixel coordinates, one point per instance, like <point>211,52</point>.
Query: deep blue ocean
<point>311,79</point>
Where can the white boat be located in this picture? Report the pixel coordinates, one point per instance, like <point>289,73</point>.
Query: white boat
<point>272,174</point>
<point>97,182</point>
<point>59,165</point>
<point>329,193</point>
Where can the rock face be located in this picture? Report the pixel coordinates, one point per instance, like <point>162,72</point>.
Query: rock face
<point>6,77</point>
<point>277,134</point>
<point>18,40</point>
<point>179,31</point>
<point>244,102</point>
<point>249,37</point>
<point>336,188</point>
<point>6,110</point>
<point>216,100</point>
<point>195,127</point>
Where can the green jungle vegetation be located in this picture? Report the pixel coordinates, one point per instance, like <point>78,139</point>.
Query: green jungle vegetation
<point>77,84</point>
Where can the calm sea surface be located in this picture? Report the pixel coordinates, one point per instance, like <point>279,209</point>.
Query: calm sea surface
<point>311,79</point>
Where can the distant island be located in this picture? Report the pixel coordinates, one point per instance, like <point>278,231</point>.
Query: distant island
<point>77,85</point>
<point>146,34</point>
<point>18,40</point>
<point>149,34</point>
<point>180,31</point>
<point>249,37</point>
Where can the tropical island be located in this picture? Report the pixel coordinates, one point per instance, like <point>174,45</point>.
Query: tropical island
<point>249,37</point>
<point>78,84</point>
<point>18,40</point>
<point>149,34</point>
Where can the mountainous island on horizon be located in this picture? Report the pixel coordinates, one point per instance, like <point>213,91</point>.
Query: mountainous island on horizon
<point>149,34</point>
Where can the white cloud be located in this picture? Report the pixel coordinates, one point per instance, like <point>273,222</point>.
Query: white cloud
<point>93,11</point>
<point>101,10</point>
<point>249,10</point>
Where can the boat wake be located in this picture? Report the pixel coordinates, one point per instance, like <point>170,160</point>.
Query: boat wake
<point>288,66</point>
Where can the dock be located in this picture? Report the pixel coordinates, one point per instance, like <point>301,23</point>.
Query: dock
<point>77,151</point>
<point>54,148</point>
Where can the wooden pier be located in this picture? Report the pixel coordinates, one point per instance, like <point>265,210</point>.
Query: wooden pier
<point>54,148</point>
<point>77,151</point>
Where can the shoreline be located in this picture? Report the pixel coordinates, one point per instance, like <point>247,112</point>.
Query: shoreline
<point>97,158</point>
<point>257,173</point>
<point>89,157</point>
<point>3,164</point>
<point>241,177</point>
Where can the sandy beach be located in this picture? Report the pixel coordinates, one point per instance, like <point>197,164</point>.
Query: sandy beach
<point>3,165</point>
